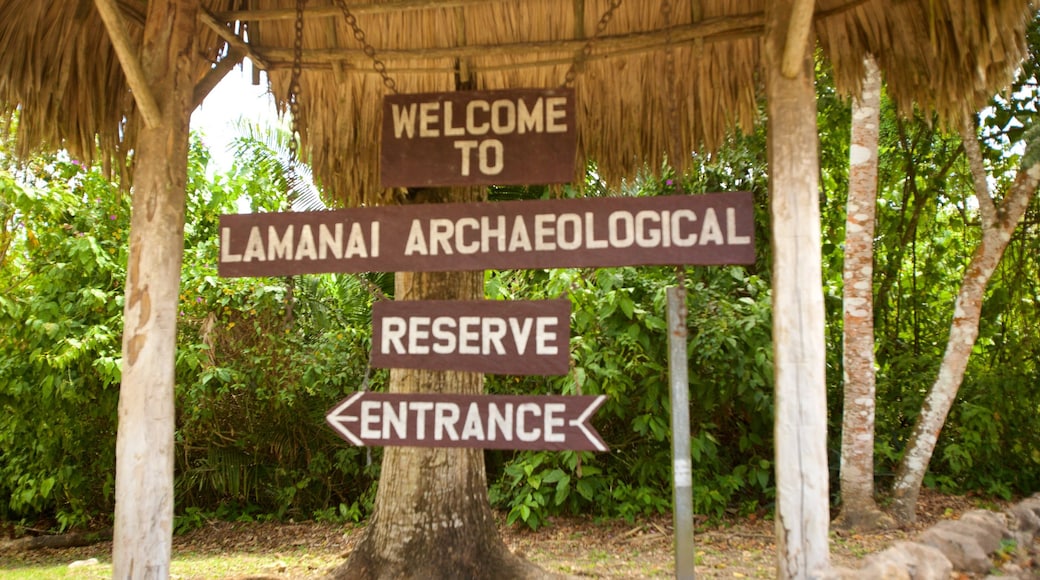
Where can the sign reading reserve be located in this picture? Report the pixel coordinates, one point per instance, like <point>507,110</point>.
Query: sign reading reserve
<point>515,337</point>
<point>710,229</point>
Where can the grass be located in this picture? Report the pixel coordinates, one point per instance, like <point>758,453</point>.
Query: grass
<point>183,566</point>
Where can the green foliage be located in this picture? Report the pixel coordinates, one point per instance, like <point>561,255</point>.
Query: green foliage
<point>619,348</point>
<point>61,287</point>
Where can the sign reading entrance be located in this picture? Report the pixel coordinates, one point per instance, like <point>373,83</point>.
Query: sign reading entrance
<point>515,136</point>
<point>485,336</point>
<point>551,422</point>
<point>711,229</point>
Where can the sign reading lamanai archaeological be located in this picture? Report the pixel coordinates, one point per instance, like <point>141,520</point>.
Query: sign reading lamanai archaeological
<point>710,229</point>
<point>517,337</point>
<point>516,136</point>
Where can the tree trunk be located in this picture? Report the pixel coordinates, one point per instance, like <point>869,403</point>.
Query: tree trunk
<point>859,510</point>
<point>997,227</point>
<point>432,519</point>
<point>144,442</point>
<point>802,513</point>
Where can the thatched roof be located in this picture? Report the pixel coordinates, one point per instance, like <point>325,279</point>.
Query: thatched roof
<point>58,67</point>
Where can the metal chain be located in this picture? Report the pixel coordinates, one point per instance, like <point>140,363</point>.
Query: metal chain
<point>675,154</point>
<point>368,49</point>
<point>294,89</point>
<point>586,51</point>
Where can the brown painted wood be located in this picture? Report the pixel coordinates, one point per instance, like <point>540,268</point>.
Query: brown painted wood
<point>710,229</point>
<point>507,137</point>
<point>553,422</point>
<point>516,337</point>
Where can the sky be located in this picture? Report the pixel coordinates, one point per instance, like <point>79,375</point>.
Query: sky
<point>235,97</point>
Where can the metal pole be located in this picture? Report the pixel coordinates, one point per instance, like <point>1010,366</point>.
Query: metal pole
<point>679,388</point>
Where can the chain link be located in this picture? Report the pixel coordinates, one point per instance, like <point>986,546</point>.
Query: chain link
<point>294,89</point>
<point>586,51</point>
<point>368,49</point>
<point>675,141</point>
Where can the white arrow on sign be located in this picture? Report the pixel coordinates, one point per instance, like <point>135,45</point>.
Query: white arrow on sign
<point>554,422</point>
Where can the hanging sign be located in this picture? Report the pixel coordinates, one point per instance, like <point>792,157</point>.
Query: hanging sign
<point>711,229</point>
<point>486,336</point>
<point>553,422</point>
<point>516,136</point>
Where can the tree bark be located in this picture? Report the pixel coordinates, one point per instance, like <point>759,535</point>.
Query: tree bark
<point>432,518</point>
<point>859,510</point>
<point>802,513</point>
<point>998,223</point>
<point>144,442</point>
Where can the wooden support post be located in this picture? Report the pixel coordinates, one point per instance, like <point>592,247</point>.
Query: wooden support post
<point>128,58</point>
<point>802,514</point>
<point>143,531</point>
<point>797,42</point>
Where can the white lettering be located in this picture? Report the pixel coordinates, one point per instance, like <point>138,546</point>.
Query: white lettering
<point>472,428</point>
<point>444,333</point>
<point>469,338</point>
<point>254,246</point>
<point>417,331</point>
<point>543,336</point>
<point>404,120</point>
<point>279,247</point>
<point>393,328</point>
<point>460,239</point>
<point>521,333</point>
<point>445,417</point>
<point>465,146</point>
<point>731,229</point>
<point>647,237</point>
<point>530,120</point>
<point>428,117</point>
<point>710,230</point>
<point>519,240</point>
<point>618,221</point>
<point>552,422</point>
<point>472,127</point>
<point>554,113</point>
<point>416,243</point>
<point>356,242</point>
<point>305,246</point>
<point>326,241</point>
<point>225,247</point>
<point>542,230</point>
<point>484,155</point>
<point>369,418</point>
<point>522,433</point>
<point>683,242</point>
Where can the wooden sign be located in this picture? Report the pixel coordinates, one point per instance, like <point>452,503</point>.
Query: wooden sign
<point>710,229</point>
<point>485,336</point>
<point>552,422</point>
<point>516,136</point>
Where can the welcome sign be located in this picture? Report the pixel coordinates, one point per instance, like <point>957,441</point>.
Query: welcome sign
<point>508,137</point>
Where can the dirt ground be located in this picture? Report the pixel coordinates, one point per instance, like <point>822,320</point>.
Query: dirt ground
<point>738,548</point>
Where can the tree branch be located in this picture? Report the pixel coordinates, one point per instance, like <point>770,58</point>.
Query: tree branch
<point>970,139</point>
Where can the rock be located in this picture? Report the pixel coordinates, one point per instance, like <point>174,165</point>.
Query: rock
<point>986,528</point>
<point>84,563</point>
<point>963,551</point>
<point>907,561</point>
<point>1024,519</point>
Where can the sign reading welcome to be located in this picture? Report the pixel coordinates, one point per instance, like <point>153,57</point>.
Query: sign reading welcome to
<point>516,136</point>
<point>711,229</point>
